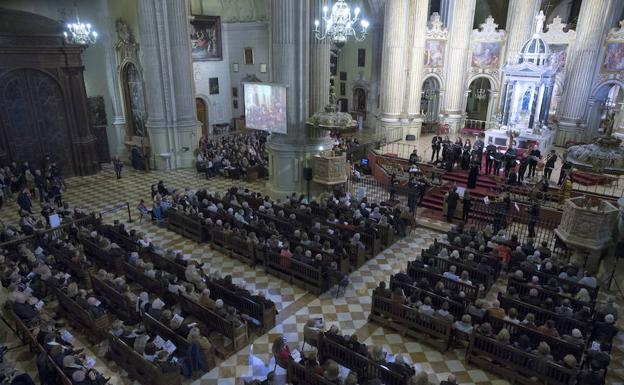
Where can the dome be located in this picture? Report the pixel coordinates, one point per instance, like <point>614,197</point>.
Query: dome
<point>535,50</point>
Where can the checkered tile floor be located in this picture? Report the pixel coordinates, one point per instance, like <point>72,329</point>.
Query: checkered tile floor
<point>348,311</point>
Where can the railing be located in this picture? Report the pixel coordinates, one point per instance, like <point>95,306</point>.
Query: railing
<point>513,223</point>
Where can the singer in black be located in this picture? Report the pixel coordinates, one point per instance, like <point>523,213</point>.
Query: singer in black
<point>534,156</point>
<point>549,165</point>
<point>490,150</point>
<point>524,163</point>
<point>436,145</point>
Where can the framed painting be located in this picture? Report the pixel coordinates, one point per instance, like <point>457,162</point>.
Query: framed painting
<point>343,89</point>
<point>213,86</point>
<point>558,54</point>
<point>206,41</point>
<point>249,55</point>
<point>434,53</point>
<point>486,55</point>
<point>235,104</point>
<point>614,57</point>
<point>343,76</point>
<point>234,67</point>
<point>234,92</point>
<point>263,68</point>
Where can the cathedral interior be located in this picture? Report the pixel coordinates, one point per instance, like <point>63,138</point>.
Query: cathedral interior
<point>306,192</point>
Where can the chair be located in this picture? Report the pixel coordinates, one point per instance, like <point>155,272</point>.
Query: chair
<point>144,214</point>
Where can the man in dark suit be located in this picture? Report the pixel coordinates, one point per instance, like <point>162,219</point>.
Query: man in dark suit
<point>550,164</point>
<point>524,163</point>
<point>534,156</point>
<point>490,151</point>
<point>451,204</point>
<point>436,145</point>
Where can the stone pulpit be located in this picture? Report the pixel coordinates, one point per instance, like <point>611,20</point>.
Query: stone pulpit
<point>329,168</point>
<point>587,228</point>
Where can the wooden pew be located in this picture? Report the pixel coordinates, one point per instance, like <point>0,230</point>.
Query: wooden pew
<point>433,330</point>
<point>514,364</point>
<point>96,327</point>
<point>22,330</point>
<point>457,309</point>
<point>150,285</point>
<point>155,327</point>
<point>574,286</point>
<point>298,374</point>
<point>241,249</point>
<point>210,319</point>
<point>114,300</point>
<point>523,291</point>
<point>138,367</point>
<point>121,240</point>
<point>293,271</point>
<point>476,276</point>
<point>186,225</point>
<point>364,366</point>
<point>563,323</point>
<point>417,273</point>
<point>163,263</point>
<point>79,271</point>
<point>264,316</point>
<point>558,347</point>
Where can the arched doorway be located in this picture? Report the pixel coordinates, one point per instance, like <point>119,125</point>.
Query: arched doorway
<point>556,97</point>
<point>605,111</point>
<point>479,95</point>
<point>430,103</point>
<point>359,105</point>
<point>134,100</point>
<point>202,115</point>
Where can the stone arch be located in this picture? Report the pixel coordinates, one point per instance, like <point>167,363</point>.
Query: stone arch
<point>133,97</point>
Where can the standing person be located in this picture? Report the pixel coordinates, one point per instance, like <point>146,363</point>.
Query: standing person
<point>451,204</point>
<point>436,145</point>
<point>498,160</point>
<point>534,156</point>
<point>118,164</point>
<point>510,160</point>
<point>524,163</point>
<point>533,217</point>
<point>40,183</point>
<point>473,175</point>
<point>549,165</point>
<point>565,171</point>
<point>490,151</point>
<point>393,183</point>
<point>467,205</point>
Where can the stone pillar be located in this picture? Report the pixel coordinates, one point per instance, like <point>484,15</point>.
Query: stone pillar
<point>372,102</point>
<point>418,24</point>
<point>460,27</point>
<point>580,70</point>
<point>393,66</point>
<point>319,62</point>
<point>107,39</point>
<point>520,25</point>
<point>289,154</point>
<point>168,75</point>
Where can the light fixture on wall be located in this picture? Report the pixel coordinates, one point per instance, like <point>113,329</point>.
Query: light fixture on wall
<point>481,94</point>
<point>340,24</point>
<point>79,33</point>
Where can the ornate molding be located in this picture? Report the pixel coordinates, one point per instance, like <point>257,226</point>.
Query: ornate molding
<point>126,46</point>
<point>435,28</point>
<point>488,31</point>
<point>555,33</point>
<point>616,34</point>
<point>361,82</point>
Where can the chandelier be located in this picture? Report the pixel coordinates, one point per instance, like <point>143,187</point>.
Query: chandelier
<point>339,25</point>
<point>481,94</point>
<point>79,33</point>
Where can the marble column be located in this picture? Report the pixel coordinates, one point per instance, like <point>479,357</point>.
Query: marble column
<point>394,64</point>
<point>290,153</point>
<point>372,102</point>
<point>108,37</point>
<point>581,70</point>
<point>460,27</point>
<point>418,24</point>
<point>319,62</point>
<point>520,25</point>
<point>168,76</point>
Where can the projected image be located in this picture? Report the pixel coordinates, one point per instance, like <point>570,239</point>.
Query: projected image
<point>265,107</point>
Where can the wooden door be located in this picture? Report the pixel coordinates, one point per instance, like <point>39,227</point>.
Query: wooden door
<point>202,115</point>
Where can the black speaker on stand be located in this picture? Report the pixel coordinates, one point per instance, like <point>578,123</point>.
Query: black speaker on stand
<point>307,176</point>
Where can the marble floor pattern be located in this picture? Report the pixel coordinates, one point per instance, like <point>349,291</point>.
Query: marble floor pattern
<point>102,192</point>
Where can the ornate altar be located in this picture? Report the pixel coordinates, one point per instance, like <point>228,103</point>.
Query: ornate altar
<point>587,227</point>
<point>329,169</point>
<point>526,96</point>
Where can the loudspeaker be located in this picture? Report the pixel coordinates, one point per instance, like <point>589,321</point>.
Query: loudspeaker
<point>307,173</point>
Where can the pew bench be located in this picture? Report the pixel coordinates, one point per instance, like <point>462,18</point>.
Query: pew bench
<point>296,272</point>
<point>115,301</point>
<point>417,273</point>
<point>433,330</point>
<point>516,365</point>
<point>457,309</point>
<point>298,374</point>
<point>96,328</point>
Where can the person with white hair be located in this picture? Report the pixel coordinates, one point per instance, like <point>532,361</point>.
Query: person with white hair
<point>464,325</point>
<point>575,337</point>
<point>451,273</point>
<point>156,308</point>
<point>355,240</point>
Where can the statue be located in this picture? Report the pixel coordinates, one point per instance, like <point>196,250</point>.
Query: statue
<point>123,31</point>
<point>608,123</point>
<point>539,25</point>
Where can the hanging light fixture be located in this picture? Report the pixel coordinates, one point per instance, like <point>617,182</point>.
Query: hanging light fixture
<point>79,33</point>
<point>339,25</point>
